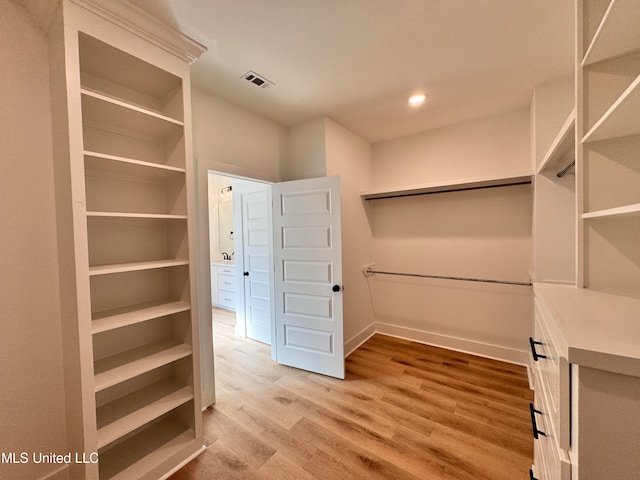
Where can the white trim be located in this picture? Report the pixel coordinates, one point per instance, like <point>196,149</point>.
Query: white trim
<point>140,23</point>
<point>495,352</point>
<point>183,463</point>
<point>355,342</point>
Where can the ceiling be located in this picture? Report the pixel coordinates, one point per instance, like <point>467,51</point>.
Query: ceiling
<point>358,61</point>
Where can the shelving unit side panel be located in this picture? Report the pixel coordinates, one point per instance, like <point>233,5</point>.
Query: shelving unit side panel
<point>193,292</point>
<point>71,244</point>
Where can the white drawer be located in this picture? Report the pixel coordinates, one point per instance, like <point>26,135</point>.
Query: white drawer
<point>551,462</point>
<point>553,374</point>
<point>227,299</point>
<point>226,282</point>
<point>227,270</point>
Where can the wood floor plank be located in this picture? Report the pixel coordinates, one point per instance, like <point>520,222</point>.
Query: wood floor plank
<point>358,461</point>
<point>406,411</point>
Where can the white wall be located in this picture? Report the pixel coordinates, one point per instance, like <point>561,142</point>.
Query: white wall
<point>32,408</point>
<point>307,151</point>
<point>482,233</point>
<point>349,156</point>
<point>485,148</point>
<point>238,140</point>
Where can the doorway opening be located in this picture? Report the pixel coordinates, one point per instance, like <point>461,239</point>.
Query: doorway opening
<point>239,247</point>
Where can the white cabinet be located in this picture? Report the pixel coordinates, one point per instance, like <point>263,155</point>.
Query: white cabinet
<point>223,285</point>
<point>587,384</point>
<point>123,170</point>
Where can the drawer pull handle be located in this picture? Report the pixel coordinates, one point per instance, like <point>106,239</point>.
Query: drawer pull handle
<point>531,477</point>
<point>535,354</point>
<point>534,426</point>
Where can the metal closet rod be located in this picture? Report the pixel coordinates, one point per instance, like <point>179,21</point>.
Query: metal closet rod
<point>440,277</point>
<point>563,172</point>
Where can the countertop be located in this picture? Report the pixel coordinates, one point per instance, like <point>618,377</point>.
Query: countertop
<point>601,330</point>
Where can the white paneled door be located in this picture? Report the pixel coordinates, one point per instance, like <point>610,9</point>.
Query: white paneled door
<point>254,274</point>
<point>308,275</point>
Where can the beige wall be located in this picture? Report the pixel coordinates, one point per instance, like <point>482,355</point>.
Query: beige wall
<point>240,141</point>
<point>481,233</point>
<point>486,148</point>
<point>307,151</point>
<point>349,156</point>
<point>32,409</point>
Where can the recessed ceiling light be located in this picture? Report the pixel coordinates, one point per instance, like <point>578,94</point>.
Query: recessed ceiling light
<point>417,99</point>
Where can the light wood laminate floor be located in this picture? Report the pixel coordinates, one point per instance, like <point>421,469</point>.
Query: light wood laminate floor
<point>404,411</point>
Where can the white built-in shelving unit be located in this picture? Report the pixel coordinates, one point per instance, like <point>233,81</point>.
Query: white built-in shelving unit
<point>123,156</point>
<point>608,131</point>
<point>588,378</point>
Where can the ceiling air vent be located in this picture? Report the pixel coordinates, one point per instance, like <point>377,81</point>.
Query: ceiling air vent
<point>256,79</point>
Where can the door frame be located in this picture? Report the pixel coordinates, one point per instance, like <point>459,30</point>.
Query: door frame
<point>202,166</point>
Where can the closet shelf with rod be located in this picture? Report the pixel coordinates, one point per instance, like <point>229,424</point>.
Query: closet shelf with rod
<point>368,271</point>
<point>469,184</point>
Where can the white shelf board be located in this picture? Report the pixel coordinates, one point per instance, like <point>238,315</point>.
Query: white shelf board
<point>561,146</point>
<point>147,450</point>
<point>614,212</point>
<point>467,184</point>
<point>100,109</point>
<point>125,215</point>
<point>118,368</point>
<point>124,415</point>
<point>122,317</point>
<point>617,34</point>
<point>621,119</point>
<point>128,167</point>
<point>612,339</point>
<point>134,266</point>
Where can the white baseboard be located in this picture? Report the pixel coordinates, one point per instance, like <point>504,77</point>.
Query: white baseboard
<point>352,345</point>
<point>496,352</point>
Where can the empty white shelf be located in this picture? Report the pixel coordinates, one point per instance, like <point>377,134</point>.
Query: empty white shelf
<point>468,184</point>
<point>122,317</point>
<point>134,266</point>
<point>614,212</point>
<point>118,368</point>
<point>126,414</point>
<point>561,146</point>
<point>103,110</point>
<point>125,215</point>
<point>617,33</point>
<point>148,449</point>
<point>128,167</point>
<point>621,120</point>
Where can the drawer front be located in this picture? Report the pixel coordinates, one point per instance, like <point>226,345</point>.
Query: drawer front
<point>551,462</point>
<point>226,282</point>
<point>214,285</point>
<point>227,299</point>
<point>548,366</point>
<point>227,271</point>
<point>553,379</point>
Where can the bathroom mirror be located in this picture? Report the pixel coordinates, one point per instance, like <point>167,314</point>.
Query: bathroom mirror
<point>225,226</point>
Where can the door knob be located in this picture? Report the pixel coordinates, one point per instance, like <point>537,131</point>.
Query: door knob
<point>336,288</point>
<point>246,274</point>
